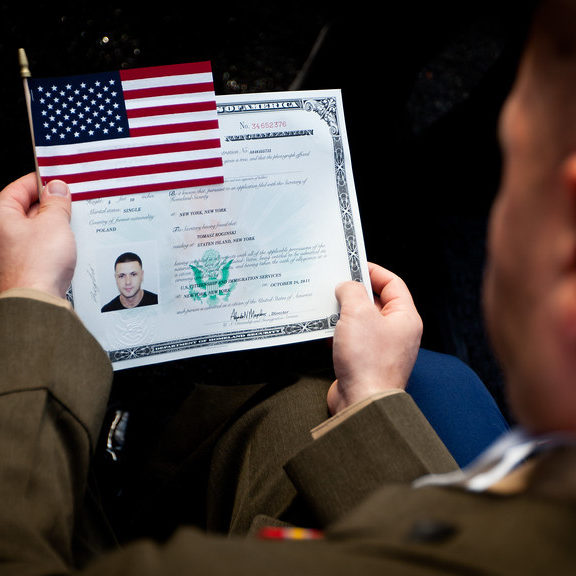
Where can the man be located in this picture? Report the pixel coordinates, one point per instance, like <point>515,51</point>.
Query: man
<point>129,276</point>
<point>512,515</point>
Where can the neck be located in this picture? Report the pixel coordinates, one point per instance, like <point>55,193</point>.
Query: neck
<point>133,301</point>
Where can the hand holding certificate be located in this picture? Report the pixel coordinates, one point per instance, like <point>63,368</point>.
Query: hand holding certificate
<point>198,266</point>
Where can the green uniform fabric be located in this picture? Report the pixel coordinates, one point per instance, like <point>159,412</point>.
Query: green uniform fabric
<point>352,483</point>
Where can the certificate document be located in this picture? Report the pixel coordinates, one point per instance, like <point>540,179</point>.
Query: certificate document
<point>249,263</point>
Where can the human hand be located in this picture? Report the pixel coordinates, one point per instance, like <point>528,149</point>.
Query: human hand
<point>37,247</point>
<point>375,343</point>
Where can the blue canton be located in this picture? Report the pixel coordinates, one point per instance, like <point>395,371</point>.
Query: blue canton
<point>78,109</point>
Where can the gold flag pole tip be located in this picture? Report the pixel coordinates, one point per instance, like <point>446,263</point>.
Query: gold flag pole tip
<point>23,61</point>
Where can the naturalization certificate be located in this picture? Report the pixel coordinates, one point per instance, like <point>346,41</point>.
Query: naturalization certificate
<point>249,263</point>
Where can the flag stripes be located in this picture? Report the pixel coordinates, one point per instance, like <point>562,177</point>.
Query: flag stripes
<point>173,109</point>
<point>174,70</point>
<point>160,186</point>
<point>143,170</point>
<point>162,129</point>
<point>160,91</point>
<point>116,154</point>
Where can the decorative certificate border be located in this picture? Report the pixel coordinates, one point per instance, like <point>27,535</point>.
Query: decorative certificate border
<point>222,338</point>
<point>327,108</point>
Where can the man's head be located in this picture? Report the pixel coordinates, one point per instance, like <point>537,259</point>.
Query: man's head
<point>530,284</point>
<point>129,275</point>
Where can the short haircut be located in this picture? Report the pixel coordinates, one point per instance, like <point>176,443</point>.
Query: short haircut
<point>127,257</point>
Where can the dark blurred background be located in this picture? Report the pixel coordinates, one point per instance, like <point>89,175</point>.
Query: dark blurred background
<point>422,82</point>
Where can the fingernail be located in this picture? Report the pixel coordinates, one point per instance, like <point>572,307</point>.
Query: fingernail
<point>57,188</point>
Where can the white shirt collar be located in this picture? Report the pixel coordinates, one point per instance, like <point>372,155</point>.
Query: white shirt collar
<point>508,452</point>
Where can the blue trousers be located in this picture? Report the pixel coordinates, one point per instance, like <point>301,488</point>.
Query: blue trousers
<point>456,403</point>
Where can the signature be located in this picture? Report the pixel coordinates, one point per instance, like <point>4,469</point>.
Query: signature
<point>249,314</point>
<point>94,291</point>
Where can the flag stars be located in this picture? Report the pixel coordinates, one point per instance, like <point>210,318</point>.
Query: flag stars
<point>78,110</point>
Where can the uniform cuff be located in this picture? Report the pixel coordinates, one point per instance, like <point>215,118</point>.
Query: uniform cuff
<point>332,422</point>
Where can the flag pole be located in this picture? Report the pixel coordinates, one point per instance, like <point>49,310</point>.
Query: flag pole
<point>25,74</point>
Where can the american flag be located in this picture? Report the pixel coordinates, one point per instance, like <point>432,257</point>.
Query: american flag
<point>139,130</point>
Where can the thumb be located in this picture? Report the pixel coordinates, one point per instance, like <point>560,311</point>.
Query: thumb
<point>56,194</point>
<point>352,293</point>
<point>333,398</point>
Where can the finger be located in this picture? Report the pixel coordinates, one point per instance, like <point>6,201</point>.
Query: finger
<point>389,286</point>
<point>380,277</point>
<point>21,194</point>
<point>56,197</point>
<point>333,397</point>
